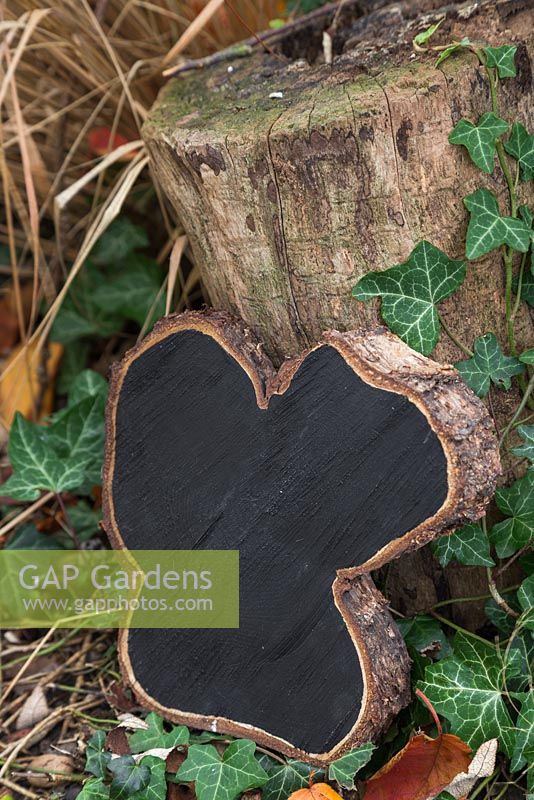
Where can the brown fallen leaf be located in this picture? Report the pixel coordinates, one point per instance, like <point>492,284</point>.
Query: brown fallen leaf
<point>117,742</point>
<point>316,791</point>
<point>34,709</point>
<point>56,763</point>
<point>20,385</point>
<point>421,770</point>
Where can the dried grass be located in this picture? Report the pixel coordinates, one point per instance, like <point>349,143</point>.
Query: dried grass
<point>67,67</point>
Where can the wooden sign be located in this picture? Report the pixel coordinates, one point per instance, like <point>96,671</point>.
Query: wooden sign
<point>353,453</point>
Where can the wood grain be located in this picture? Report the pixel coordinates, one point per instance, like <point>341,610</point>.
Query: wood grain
<point>354,452</point>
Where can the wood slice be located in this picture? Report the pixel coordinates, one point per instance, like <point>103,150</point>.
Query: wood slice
<point>354,452</point>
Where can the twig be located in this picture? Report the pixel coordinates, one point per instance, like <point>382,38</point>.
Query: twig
<point>28,512</point>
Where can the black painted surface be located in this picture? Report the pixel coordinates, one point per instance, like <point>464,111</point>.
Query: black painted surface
<point>332,471</point>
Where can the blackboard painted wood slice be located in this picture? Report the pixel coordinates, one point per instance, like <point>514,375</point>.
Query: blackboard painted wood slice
<point>353,453</point>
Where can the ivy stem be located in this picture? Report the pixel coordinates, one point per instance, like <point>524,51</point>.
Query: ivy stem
<point>519,410</point>
<point>484,783</point>
<point>517,303</point>
<point>501,602</point>
<point>458,628</point>
<point>452,336</point>
<point>509,271</point>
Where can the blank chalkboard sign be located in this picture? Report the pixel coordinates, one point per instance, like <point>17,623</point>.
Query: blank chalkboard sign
<point>351,454</point>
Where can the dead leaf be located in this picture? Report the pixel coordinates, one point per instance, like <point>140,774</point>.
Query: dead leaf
<point>117,742</point>
<point>55,762</point>
<point>20,385</point>
<point>421,770</point>
<point>317,791</point>
<point>174,761</point>
<point>102,141</point>
<point>132,722</point>
<point>34,709</point>
<point>481,766</point>
<point>118,699</point>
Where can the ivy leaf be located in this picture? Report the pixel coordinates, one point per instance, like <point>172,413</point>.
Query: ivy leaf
<point>488,365</point>
<point>425,35</point>
<point>132,292</point>
<point>504,623</point>
<point>344,769</point>
<point>524,742</point>
<point>453,48</point>
<point>424,634</point>
<point>96,758</point>
<point>87,383</point>
<point>28,537</point>
<point>467,689</point>
<point>488,230</point>
<point>35,465</point>
<point>525,595</point>
<point>223,778</point>
<point>468,545</point>
<point>411,291</point>
<point>285,779</point>
<point>119,240</point>
<point>157,785</point>
<point>94,789</point>
<point>527,357</point>
<point>502,58</point>
<point>480,139</point>
<point>520,145</point>
<point>156,736</point>
<point>128,777</point>
<point>517,502</point>
<point>525,450</point>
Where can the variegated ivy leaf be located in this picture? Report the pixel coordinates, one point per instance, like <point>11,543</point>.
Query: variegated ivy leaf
<point>468,545</point>
<point>517,503</point>
<point>344,769</point>
<point>488,230</point>
<point>525,450</point>
<point>425,635</point>
<point>523,754</point>
<point>468,690</point>
<point>488,365</point>
<point>411,291</point>
<point>502,58</point>
<point>520,145</point>
<point>479,140</point>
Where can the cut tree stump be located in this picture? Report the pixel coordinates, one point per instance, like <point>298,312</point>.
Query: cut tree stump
<point>287,201</point>
<point>356,451</point>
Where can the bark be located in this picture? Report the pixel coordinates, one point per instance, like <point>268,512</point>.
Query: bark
<point>153,414</point>
<point>288,201</point>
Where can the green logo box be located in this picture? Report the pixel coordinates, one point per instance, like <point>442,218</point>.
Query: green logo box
<point>119,588</point>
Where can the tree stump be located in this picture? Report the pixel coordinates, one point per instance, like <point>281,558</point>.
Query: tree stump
<point>288,200</point>
<point>293,179</point>
<point>304,472</point>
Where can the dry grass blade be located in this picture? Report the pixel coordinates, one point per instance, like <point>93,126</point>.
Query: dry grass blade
<point>29,25</point>
<point>174,265</point>
<point>194,29</point>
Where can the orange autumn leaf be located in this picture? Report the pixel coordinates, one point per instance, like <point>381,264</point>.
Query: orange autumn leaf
<point>421,770</point>
<point>27,383</point>
<point>317,791</point>
<point>101,142</point>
